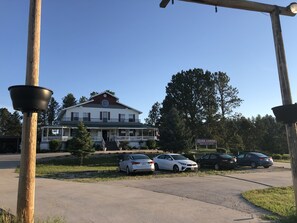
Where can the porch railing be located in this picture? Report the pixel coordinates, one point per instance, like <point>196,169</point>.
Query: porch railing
<point>96,138</point>
<point>98,120</point>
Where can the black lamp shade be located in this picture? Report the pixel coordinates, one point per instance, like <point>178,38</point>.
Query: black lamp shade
<point>29,98</point>
<point>286,113</point>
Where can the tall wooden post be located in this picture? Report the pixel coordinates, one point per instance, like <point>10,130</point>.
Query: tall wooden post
<point>285,92</point>
<point>26,189</point>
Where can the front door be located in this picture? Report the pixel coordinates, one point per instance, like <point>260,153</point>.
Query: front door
<point>105,135</point>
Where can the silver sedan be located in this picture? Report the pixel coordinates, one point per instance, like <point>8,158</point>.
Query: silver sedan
<point>132,163</point>
<point>174,162</point>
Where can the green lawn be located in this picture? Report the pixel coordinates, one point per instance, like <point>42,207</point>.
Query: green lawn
<point>101,167</point>
<point>278,200</point>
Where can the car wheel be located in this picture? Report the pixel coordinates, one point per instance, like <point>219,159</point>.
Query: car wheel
<point>156,166</point>
<point>254,165</point>
<point>175,169</point>
<point>128,171</point>
<point>217,166</point>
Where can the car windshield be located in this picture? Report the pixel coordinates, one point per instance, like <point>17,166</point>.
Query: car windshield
<point>179,157</point>
<point>139,157</point>
<point>225,156</point>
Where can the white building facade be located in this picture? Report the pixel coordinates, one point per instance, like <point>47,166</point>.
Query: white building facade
<point>108,121</point>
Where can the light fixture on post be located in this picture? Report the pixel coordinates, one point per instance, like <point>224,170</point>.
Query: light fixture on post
<point>293,7</point>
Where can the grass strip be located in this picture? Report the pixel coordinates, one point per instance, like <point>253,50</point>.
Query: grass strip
<point>278,200</point>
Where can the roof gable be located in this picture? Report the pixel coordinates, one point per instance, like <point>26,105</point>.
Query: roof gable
<point>103,100</point>
<point>97,99</point>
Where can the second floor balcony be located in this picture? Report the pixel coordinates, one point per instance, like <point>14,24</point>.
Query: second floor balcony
<point>86,120</point>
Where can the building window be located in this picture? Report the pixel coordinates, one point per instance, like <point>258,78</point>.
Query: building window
<point>121,117</point>
<point>104,116</point>
<point>87,116</point>
<point>131,117</point>
<point>74,116</point>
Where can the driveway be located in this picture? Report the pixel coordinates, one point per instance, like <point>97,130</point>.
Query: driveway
<point>214,199</point>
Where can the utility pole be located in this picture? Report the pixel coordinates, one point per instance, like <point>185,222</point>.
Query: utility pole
<point>275,12</point>
<point>285,92</point>
<point>26,189</point>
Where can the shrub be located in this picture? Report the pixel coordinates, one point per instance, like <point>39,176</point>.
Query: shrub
<point>286,156</point>
<point>98,147</point>
<point>235,151</point>
<point>55,145</point>
<point>144,147</point>
<point>124,145</point>
<point>190,156</point>
<point>151,144</point>
<point>277,156</point>
<point>221,150</point>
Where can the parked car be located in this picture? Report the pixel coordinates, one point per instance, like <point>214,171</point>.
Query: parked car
<point>217,161</point>
<point>254,159</point>
<point>174,162</point>
<point>132,163</point>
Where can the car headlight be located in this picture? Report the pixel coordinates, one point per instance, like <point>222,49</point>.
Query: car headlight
<point>184,164</point>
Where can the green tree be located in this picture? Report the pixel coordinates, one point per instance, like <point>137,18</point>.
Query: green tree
<point>4,121</point>
<point>68,101</point>
<point>93,93</point>
<point>81,144</point>
<point>52,111</point>
<point>230,134</point>
<point>174,134</point>
<point>271,135</point>
<point>82,99</point>
<point>154,115</point>
<point>192,93</point>
<point>110,92</point>
<point>227,98</point>
<point>10,124</point>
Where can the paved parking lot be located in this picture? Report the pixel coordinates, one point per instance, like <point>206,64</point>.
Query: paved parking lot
<point>191,199</point>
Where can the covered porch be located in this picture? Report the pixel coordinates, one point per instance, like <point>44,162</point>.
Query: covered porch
<point>99,135</point>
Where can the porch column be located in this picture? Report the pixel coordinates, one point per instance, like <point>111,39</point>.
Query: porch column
<point>62,133</point>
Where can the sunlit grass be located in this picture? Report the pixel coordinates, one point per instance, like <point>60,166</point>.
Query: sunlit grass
<point>102,168</point>
<point>278,200</point>
<point>6,217</point>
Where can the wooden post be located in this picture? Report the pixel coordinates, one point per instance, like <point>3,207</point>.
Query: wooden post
<point>285,92</point>
<point>26,189</point>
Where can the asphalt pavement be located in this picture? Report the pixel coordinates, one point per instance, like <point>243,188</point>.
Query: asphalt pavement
<point>146,201</point>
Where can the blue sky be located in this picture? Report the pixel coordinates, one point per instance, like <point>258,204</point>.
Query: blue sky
<point>133,48</point>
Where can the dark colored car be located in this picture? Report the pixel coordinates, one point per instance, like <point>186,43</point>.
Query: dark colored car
<point>217,161</point>
<point>254,159</point>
